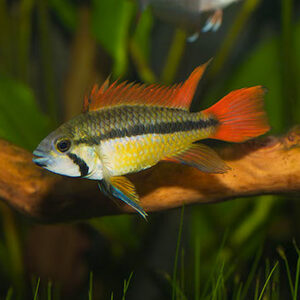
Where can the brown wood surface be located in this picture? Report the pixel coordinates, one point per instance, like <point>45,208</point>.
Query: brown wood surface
<point>270,165</point>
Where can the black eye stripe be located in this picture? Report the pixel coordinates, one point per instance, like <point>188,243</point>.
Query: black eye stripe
<point>83,167</point>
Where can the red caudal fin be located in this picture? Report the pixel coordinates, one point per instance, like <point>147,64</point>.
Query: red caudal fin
<point>240,114</point>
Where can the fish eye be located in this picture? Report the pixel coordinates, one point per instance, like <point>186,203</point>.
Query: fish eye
<point>63,145</point>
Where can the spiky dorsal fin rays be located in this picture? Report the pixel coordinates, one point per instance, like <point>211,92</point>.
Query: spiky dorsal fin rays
<point>201,157</point>
<point>185,94</point>
<point>88,99</point>
<point>176,96</point>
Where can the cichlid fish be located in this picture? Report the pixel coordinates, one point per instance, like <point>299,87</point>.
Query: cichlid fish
<point>130,127</point>
<point>186,13</point>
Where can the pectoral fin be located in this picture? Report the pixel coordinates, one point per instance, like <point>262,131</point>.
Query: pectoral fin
<point>201,157</point>
<point>120,187</point>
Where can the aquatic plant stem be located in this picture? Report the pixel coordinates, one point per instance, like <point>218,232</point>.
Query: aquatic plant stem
<point>24,38</point>
<point>6,53</point>
<point>267,281</point>
<point>232,36</point>
<point>13,244</point>
<point>140,47</point>
<point>141,63</point>
<point>91,286</point>
<point>82,66</point>
<point>174,279</point>
<point>46,59</point>
<point>290,86</point>
<point>174,56</point>
<point>36,291</point>
<point>197,268</point>
<point>295,296</point>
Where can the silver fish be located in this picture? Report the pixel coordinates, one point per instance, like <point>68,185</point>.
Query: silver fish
<point>186,13</point>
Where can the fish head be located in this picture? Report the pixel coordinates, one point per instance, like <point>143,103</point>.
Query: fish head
<point>61,153</point>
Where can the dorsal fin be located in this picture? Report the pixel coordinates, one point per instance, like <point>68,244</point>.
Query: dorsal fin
<point>177,96</point>
<point>186,93</point>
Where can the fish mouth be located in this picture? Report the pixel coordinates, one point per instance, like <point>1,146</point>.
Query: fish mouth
<point>40,158</point>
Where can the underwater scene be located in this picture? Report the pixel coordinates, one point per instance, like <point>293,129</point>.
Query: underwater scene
<point>150,149</point>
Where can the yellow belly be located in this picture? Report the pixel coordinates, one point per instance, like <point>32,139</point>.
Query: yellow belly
<point>126,155</point>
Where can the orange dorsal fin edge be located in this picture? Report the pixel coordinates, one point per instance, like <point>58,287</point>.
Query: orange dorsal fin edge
<point>124,93</point>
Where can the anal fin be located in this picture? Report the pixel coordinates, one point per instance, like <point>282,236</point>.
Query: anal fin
<point>122,188</point>
<point>201,157</point>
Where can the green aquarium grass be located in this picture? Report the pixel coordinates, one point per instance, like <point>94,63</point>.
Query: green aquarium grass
<point>256,286</point>
<point>91,286</point>
<point>9,294</point>
<point>36,292</point>
<point>49,290</point>
<point>223,276</point>
<point>126,285</point>
<point>174,279</point>
<point>267,281</point>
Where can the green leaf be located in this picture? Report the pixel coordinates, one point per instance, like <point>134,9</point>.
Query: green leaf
<point>264,66</point>
<point>140,46</point>
<point>261,68</point>
<point>142,34</point>
<point>111,24</point>
<point>21,121</point>
<point>66,11</point>
<point>119,230</point>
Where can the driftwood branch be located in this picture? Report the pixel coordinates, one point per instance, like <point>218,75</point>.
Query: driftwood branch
<point>264,166</point>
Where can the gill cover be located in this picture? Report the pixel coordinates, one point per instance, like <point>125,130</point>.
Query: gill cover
<point>57,154</point>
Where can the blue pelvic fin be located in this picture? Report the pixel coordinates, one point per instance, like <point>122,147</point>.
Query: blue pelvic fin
<point>213,22</point>
<point>193,38</point>
<point>120,187</point>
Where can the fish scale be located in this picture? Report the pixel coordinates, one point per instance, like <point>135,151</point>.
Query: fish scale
<point>119,142</point>
<point>113,123</point>
<point>127,155</point>
<point>149,147</point>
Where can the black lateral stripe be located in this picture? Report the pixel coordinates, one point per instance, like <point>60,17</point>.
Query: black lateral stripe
<point>83,167</point>
<point>140,129</point>
<point>160,128</point>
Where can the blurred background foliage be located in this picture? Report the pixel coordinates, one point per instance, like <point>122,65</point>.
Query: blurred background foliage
<point>51,53</point>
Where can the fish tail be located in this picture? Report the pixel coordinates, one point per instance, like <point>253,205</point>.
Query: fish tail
<point>240,115</point>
